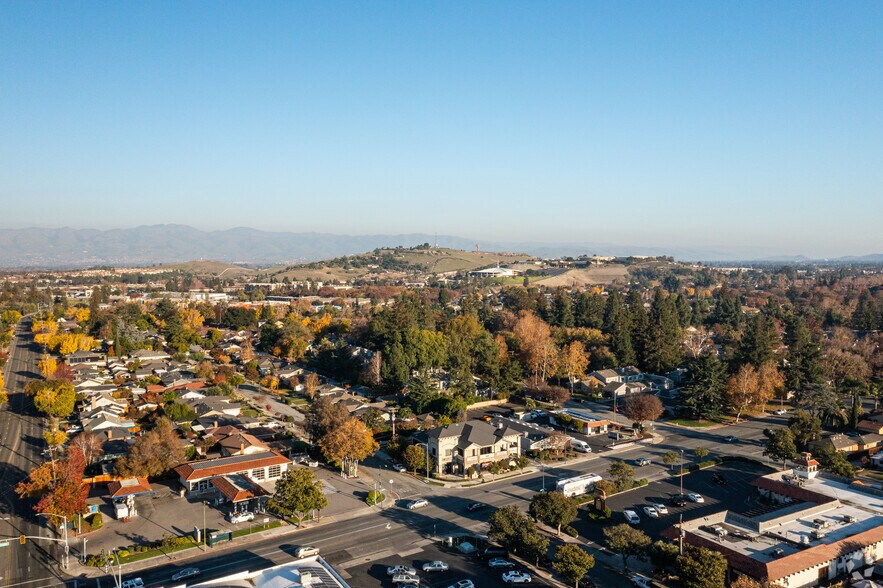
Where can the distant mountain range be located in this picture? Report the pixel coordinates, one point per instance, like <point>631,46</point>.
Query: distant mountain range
<point>156,244</point>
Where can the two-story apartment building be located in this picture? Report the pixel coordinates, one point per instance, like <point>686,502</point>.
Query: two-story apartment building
<point>457,447</point>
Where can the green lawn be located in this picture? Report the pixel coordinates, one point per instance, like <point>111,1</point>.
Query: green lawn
<point>258,528</point>
<point>692,423</point>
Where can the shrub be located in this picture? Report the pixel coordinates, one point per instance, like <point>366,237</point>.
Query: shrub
<point>123,553</point>
<point>374,497</point>
<point>570,531</point>
<point>97,521</point>
<point>641,482</point>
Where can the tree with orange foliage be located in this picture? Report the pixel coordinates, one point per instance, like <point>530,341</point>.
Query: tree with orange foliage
<point>59,485</point>
<point>538,350</point>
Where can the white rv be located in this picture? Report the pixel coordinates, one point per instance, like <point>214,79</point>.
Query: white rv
<point>578,485</point>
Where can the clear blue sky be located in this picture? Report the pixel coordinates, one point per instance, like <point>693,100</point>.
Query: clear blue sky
<point>662,123</point>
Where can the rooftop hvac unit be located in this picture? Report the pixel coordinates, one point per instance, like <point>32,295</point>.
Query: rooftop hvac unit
<point>804,540</point>
<point>817,534</point>
<point>849,519</point>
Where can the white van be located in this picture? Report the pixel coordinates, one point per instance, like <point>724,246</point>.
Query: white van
<point>580,445</point>
<point>631,517</point>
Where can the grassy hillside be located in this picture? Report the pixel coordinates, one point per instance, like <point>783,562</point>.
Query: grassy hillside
<point>604,275</point>
<point>209,268</point>
<point>395,262</point>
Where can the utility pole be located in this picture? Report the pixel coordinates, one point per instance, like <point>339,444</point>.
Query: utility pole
<point>681,535</point>
<point>392,411</point>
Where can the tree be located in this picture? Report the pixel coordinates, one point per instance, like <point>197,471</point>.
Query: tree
<point>47,366</point>
<point>700,452</point>
<point>642,407</point>
<point>324,416</point>
<point>58,484</point>
<point>835,462</point>
<point>414,457</point>
<point>670,458</point>
<point>178,412</point>
<point>534,337</point>
<point>823,402</point>
<point>513,529</point>
<point>4,396</point>
<point>626,541</point>
<point>574,362</point>
<point>805,428</point>
<point>662,345</point>
<point>780,445</point>
<point>311,384</point>
<point>702,568</point>
<point>54,437</point>
<point>297,493</point>
<point>55,398</point>
<point>153,453</point>
<point>572,563</point>
<point>90,445</point>
<point>662,555</point>
<point>621,475</point>
<point>553,508</point>
<point>703,397</point>
<point>348,444</point>
<point>743,389</point>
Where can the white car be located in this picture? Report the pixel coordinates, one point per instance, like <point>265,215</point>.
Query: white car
<point>399,467</point>
<point>400,569</point>
<point>781,411</point>
<point>695,497</point>
<point>631,517</point>
<point>133,583</point>
<point>463,584</point>
<point>419,503</point>
<point>499,562</point>
<point>240,517</point>
<point>306,551</point>
<point>660,508</point>
<point>651,512</point>
<point>185,573</point>
<point>405,579</point>
<point>514,577</point>
<point>642,461</point>
<point>435,566</point>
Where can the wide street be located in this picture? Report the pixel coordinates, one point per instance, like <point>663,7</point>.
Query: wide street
<point>21,444</point>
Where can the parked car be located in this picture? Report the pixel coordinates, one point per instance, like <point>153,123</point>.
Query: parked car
<point>514,577</point>
<point>476,506</point>
<point>640,581</point>
<point>651,512</point>
<point>306,551</point>
<point>75,429</point>
<point>660,508</point>
<point>419,503</point>
<point>678,500</point>
<point>399,467</point>
<point>405,579</point>
<point>580,446</point>
<point>781,411</point>
<point>631,517</point>
<point>435,566</point>
<point>719,480</point>
<point>400,569</point>
<point>499,562</point>
<point>463,584</point>
<point>730,439</point>
<point>642,461</point>
<point>133,583</point>
<point>185,573</point>
<point>240,517</point>
<point>494,551</point>
<point>695,497</point>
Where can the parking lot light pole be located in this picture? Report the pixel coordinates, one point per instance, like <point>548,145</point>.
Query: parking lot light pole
<point>84,550</point>
<point>203,526</point>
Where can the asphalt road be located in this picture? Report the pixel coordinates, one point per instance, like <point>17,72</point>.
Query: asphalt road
<point>21,443</point>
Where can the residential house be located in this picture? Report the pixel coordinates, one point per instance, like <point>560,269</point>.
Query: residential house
<point>474,444</point>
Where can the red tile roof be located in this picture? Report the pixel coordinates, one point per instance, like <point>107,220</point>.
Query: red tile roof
<point>791,491</point>
<point>128,487</point>
<point>200,470</point>
<point>236,492</point>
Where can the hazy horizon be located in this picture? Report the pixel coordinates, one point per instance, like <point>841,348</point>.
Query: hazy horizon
<point>703,126</point>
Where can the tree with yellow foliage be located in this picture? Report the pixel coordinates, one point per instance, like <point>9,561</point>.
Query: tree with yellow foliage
<point>54,437</point>
<point>47,366</point>
<point>271,382</point>
<point>348,444</point>
<point>3,395</point>
<point>81,315</point>
<point>191,318</point>
<point>43,330</point>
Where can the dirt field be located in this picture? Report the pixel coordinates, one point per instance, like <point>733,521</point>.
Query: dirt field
<point>606,275</point>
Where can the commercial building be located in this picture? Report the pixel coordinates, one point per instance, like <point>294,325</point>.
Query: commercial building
<point>267,466</point>
<point>312,572</point>
<point>455,448</point>
<point>805,530</point>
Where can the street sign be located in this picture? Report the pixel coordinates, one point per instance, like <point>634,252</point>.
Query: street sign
<point>4,543</point>
<point>266,520</point>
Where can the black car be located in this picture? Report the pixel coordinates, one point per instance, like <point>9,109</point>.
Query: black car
<point>475,506</point>
<point>493,551</point>
<point>730,439</point>
<point>678,500</point>
<point>719,480</point>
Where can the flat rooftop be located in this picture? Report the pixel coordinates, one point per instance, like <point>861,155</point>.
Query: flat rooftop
<point>830,512</point>
<point>313,572</point>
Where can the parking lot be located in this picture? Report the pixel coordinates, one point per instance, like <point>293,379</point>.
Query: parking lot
<point>461,567</point>
<point>736,495</point>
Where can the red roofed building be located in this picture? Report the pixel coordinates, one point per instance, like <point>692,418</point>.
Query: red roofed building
<point>129,487</point>
<point>260,467</point>
<point>238,489</point>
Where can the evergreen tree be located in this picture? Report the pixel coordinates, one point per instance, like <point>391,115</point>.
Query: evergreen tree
<point>728,309</point>
<point>616,325</point>
<point>760,341</point>
<point>804,356</point>
<point>639,324</point>
<point>704,397</point>
<point>868,315</point>
<point>561,311</point>
<point>588,310</point>
<point>663,346</point>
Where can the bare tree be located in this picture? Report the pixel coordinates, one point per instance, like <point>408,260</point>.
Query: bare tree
<point>90,445</point>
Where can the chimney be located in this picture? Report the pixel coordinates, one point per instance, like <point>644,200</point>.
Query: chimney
<point>109,434</point>
<point>242,448</point>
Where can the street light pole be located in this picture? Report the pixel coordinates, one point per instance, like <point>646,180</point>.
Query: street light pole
<point>64,535</point>
<point>84,550</point>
